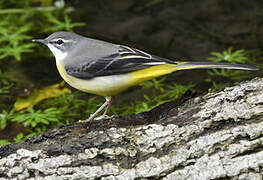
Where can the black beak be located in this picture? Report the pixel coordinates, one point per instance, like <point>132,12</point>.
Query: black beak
<point>43,41</point>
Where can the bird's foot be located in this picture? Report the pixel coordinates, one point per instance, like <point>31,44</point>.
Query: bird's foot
<point>104,117</point>
<point>99,118</point>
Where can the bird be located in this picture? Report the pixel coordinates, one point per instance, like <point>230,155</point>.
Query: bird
<point>106,69</point>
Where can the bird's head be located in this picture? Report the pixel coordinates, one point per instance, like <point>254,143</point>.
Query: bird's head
<point>60,43</point>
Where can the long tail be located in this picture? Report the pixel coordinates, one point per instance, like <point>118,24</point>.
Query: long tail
<point>151,72</point>
<point>211,65</point>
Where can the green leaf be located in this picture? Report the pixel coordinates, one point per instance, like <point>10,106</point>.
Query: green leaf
<point>19,137</point>
<point>57,25</point>
<point>4,142</point>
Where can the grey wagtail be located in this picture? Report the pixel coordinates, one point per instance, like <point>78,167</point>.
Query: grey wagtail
<point>106,69</point>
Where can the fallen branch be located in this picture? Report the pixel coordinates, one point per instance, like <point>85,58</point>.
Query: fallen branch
<point>218,135</point>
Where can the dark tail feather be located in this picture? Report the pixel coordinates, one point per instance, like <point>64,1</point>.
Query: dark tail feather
<point>212,65</point>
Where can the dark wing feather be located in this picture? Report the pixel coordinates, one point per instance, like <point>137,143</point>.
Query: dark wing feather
<point>125,60</point>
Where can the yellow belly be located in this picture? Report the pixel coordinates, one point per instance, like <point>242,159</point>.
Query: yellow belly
<point>114,84</point>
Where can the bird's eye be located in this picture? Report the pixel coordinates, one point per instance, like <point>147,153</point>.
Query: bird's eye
<point>59,42</point>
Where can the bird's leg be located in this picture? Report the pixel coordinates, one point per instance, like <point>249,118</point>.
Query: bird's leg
<point>109,99</point>
<point>107,103</point>
<point>104,115</point>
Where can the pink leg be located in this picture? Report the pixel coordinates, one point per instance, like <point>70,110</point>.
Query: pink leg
<point>106,104</point>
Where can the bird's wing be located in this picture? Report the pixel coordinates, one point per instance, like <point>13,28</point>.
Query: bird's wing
<point>124,60</point>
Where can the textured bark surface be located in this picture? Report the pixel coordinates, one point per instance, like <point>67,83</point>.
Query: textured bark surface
<point>218,135</point>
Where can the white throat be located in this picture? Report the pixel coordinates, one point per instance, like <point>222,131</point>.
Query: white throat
<point>59,55</point>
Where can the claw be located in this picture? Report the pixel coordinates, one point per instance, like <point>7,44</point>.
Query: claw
<point>103,117</point>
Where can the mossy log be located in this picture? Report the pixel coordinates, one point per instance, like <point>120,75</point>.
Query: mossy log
<point>217,135</point>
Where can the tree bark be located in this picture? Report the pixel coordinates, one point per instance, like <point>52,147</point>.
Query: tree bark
<point>217,135</point>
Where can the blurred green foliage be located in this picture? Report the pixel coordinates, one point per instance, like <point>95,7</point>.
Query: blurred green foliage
<point>76,105</point>
<point>19,137</point>
<point>12,40</point>
<point>3,78</point>
<point>240,56</point>
<point>5,117</point>
<point>39,118</point>
<point>20,22</point>
<point>58,25</point>
<point>4,142</point>
<point>36,121</point>
<point>18,26</point>
<point>159,92</point>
